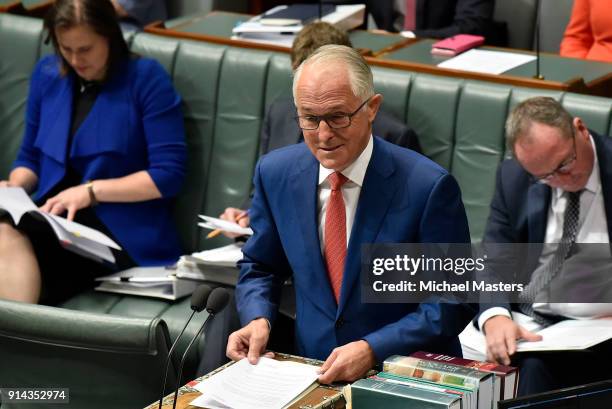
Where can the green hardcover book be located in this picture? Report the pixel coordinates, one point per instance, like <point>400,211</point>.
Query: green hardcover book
<point>371,393</point>
<point>444,374</point>
<point>468,395</point>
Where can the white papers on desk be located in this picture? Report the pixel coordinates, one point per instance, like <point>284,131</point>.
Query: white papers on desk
<point>156,282</point>
<point>270,384</point>
<point>563,336</point>
<point>226,256</point>
<point>215,265</point>
<point>487,62</point>
<point>214,223</point>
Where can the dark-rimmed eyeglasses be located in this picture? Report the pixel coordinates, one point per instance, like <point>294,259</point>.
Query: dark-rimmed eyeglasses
<point>564,167</point>
<point>334,121</point>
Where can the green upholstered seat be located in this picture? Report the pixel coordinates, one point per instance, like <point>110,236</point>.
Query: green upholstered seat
<point>225,93</point>
<point>104,360</point>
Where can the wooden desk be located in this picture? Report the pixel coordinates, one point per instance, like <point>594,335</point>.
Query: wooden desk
<point>32,8</point>
<point>560,73</point>
<point>216,27</point>
<point>330,395</point>
<point>393,51</point>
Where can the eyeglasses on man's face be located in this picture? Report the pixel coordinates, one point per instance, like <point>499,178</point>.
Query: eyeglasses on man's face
<point>564,167</point>
<point>334,121</point>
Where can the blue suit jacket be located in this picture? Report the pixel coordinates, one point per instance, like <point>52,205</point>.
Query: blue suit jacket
<point>519,209</point>
<point>405,197</point>
<point>135,124</point>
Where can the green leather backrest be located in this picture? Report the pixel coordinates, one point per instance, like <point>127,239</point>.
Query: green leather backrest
<point>20,39</point>
<point>226,91</point>
<point>105,361</point>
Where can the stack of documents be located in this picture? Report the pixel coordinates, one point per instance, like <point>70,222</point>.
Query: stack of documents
<point>216,265</point>
<point>270,384</point>
<point>157,282</point>
<point>265,29</point>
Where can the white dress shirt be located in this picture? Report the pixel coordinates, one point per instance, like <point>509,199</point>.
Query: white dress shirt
<point>593,229</point>
<point>355,173</point>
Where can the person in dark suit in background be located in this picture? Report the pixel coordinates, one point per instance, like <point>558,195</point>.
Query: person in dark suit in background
<point>280,127</point>
<point>433,18</point>
<point>135,14</point>
<point>556,189</point>
<point>317,202</point>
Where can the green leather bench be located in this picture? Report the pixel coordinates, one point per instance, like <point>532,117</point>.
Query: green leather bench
<point>225,92</point>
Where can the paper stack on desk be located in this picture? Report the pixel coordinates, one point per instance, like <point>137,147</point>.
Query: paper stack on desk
<point>156,282</point>
<point>282,33</point>
<point>270,384</point>
<point>216,265</point>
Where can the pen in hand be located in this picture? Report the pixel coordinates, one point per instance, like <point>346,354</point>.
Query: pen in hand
<point>216,232</point>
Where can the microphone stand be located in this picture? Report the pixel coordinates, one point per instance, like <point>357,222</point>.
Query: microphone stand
<point>161,397</point>
<point>538,74</point>
<point>180,371</point>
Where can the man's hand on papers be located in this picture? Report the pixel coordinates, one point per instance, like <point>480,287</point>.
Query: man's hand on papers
<point>231,214</point>
<point>250,341</point>
<point>348,362</point>
<point>501,333</point>
<point>69,200</point>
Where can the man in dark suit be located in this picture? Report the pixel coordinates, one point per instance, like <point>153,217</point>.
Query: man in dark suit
<point>316,203</point>
<point>280,127</point>
<point>435,18</point>
<point>556,189</point>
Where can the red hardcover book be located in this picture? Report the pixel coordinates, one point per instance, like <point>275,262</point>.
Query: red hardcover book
<point>456,44</point>
<point>506,377</point>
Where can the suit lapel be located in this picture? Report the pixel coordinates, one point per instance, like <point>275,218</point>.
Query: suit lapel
<point>304,187</point>
<point>604,152</point>
<point>376,196</point>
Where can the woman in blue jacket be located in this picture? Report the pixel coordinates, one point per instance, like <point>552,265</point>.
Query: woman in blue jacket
<point>103,145</point>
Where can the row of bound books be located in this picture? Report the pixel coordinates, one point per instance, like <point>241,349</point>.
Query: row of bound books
<point>432,381</point>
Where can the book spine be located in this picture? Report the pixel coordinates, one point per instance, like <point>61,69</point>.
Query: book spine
<point>501,372</point>
<point>433,371</point>
<point>369,393</point>
<point>466,363</point>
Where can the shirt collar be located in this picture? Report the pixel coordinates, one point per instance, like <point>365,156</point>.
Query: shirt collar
<point>355,172</point>
<point>594,181</point>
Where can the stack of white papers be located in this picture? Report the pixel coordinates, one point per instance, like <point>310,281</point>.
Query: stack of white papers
<point>226,256</point>
<point>487,62</point>
<point>216,265</point>
<point>270,384</point>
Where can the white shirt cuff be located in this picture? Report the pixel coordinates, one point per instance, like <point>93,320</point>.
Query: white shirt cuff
<point>407,34</point>
<point>490,313</point>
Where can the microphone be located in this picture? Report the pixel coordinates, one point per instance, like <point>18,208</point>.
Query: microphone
<point>216,302</point>
<point>538,74</point>
<point>199,299</point>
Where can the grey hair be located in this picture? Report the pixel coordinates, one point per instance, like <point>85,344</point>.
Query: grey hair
<point>360,74</point>
<point>543,110</point>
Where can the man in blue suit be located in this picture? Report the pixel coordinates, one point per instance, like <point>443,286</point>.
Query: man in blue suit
<point>316,203</point>
<point>557,161</point>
